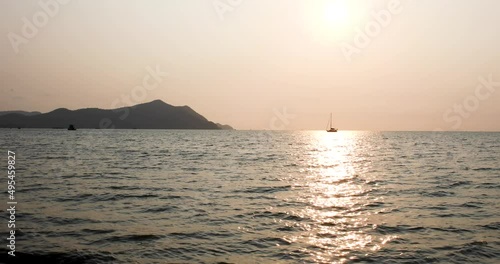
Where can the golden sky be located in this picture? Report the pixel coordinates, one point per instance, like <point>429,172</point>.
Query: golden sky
<point>377,65</point>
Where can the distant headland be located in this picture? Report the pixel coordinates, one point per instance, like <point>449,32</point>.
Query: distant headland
<point>153,115</point>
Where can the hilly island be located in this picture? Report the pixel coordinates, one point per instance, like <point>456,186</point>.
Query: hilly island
<point>153,115</point>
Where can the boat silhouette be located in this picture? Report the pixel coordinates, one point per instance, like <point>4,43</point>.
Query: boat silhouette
<point>329,127</point>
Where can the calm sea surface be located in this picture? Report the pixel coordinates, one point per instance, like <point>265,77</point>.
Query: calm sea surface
<point>160,196</point>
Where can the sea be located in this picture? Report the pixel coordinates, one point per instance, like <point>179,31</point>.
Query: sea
<point>200,196</point>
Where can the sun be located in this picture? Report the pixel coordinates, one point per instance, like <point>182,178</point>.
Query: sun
<point>331,21</point>
<point>337,13</point>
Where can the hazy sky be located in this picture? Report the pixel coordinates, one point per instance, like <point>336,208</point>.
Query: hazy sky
<point>417,65</point>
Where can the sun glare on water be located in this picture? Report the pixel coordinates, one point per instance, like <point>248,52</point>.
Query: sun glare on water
<point>339,197</point>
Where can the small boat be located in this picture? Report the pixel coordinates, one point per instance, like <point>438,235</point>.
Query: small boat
<point>71,127</point>
<point>330,127</point>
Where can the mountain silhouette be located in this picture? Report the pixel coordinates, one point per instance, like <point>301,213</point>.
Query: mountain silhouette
<point>153,115</point>
<point>19,112</point>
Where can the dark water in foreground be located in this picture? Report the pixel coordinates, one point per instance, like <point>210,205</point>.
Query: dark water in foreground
<point>146,196</point>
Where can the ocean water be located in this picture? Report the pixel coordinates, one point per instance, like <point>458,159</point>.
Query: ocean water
<point>173,196</point>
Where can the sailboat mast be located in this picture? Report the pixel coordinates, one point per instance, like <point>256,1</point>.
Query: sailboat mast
<point>330,127</point>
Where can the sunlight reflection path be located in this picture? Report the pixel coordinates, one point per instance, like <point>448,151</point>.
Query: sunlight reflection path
<point>339,198</point>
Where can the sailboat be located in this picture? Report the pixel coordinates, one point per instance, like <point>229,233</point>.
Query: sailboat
<point>330,127</point>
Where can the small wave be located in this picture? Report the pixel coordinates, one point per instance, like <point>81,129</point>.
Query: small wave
<point>98,231</point>
<point>57,157</point>
<point>326,235</point>
<point>201,235</point>
<point>388,211</point>
<point>267,189</point>
<point>450,229</point>
<point>116,197</point>
<point>492,226</point>
<point>259,197</point>
<point>168,197</point>
<point>124,187</point>
<point>460,183</point>
<point>438,194</point>
<point>446,186</point>
<point>488,185</point>
<point>78,198</point>
<point>472,205</point>
<point>279,215</point>
<point>451,215</point>
<point>266,242</point>
<point>375,204</point>
<point>335,208</point>
<point>161,209</point>
<point>286,229</point>
<point>71,221</point>
<point>344,180</point>
<point>35,189</point>
<point>374,182</point>
<point>474,252</point>
<point>73,258</point>
<point>385,230</point>
<point>128,238</point>
<point>436,207</point>
<point>486,169</point>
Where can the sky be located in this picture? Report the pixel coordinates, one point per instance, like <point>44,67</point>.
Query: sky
<point>258,64</point>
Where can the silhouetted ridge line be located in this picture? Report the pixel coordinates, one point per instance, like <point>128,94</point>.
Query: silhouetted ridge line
<point>19,112</point>
<point>153,115</point>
